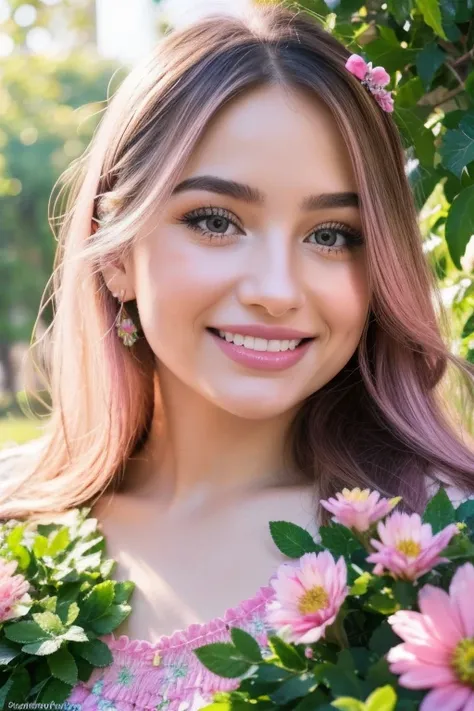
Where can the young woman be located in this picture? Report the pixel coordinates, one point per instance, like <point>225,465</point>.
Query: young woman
<point>244,202</point>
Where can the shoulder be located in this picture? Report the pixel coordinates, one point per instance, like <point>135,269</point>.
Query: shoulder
<point>456,495</point>
<point>13,459</point>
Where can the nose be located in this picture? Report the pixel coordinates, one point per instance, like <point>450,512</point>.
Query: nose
<point>272,281</point>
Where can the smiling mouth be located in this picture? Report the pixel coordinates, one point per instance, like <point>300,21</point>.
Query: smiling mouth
<point>215,331</point>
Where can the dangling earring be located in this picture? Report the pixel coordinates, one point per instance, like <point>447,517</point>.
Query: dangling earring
<point>126,329</point>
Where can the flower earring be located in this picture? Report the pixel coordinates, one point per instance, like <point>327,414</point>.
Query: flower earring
<point>126,329</point>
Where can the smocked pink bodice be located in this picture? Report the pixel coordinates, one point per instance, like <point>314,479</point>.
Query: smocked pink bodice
<point>167,674</point>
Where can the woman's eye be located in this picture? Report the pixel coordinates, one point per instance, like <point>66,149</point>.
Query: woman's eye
<point>212,222</point>
<point>328,236</point>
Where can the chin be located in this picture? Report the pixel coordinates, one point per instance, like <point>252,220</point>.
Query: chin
<point>256,407</point>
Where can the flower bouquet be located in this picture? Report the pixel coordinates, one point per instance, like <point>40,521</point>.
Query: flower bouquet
<point>378,615</point>
<point>56,600</point>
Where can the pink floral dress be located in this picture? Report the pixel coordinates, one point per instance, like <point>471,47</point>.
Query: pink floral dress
<point>167,674</point>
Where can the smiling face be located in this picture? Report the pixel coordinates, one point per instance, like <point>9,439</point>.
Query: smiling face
<point>225,257</point>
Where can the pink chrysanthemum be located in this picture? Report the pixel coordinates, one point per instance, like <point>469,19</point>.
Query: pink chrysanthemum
<point>309,594</point>
<point>359,509</point>
<point>13,589</point>
<point>407,547</point>
<point>438,648</point>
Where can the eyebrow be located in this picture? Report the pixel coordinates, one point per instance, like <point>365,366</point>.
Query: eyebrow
<point>241,191</point>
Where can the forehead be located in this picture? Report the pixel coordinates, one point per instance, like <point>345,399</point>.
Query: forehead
<point>274,134</point>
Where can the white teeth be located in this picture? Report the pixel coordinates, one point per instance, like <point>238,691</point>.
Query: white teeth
<point>260,344</point>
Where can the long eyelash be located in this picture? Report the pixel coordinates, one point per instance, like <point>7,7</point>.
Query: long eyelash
<point>353,236</point>
<point>190,219</point>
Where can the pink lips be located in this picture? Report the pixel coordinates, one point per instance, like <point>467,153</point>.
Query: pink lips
<point>262,360</point>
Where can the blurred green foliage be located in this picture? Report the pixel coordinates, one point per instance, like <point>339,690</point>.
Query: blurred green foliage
<point>49,108</point>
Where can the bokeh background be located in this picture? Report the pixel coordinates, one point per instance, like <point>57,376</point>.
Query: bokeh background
<point>61,59</point>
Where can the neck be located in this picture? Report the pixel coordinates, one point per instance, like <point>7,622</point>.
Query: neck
<point>197,452</point>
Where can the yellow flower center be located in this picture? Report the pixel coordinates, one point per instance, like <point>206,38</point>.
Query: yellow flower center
<point>409,547</point>
<point>463,661</point>
<point>313,600</point>
<point>356,494</point>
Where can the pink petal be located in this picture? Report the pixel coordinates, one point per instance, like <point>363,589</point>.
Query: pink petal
<point>380,76</point>
<point>447,698</point>
<point>411,627</point>
<point>461,591</point>
<point>430,653</point>
<point>426,676</point>
<point>357,66</point>
<point>436,604</point>
<point>469,704</point>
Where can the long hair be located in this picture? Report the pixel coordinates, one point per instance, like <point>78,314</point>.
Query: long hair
<point>385,420</point>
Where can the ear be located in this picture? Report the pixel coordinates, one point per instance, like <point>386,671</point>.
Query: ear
<point>117,275</point>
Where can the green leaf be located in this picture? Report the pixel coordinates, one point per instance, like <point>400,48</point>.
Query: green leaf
<point>111,620</point>
<point>294,688</point>
<point>19,687</point>
<point>348,703</point>
<point>389,55</point>
<point>411,122</point>
<point>8,652</point>
<point>287,654</point>
<point>469,84</point>
<point>409,92</point>
<point>383,699</point>
<point>27,631</point>
<point>379,673</point>
<point>68,612</point>
<point>5,690</point>
<point>465,510</point>
<point>428,61</point>
<point>460,224</point>
<point>246,644</point>
<point>432,15</point>
<point>343,683</point>
<point>98,601</point>
<point>59,541</point>
<point>75,634</point>
<point>15,536</point>
<point>55,690</point>
<point>360,584</point>
<point>63,666</point>
<point>383,603</point>
<point>467,330</point>
<point>457,148</point>
<point>49,622</point>
<point>42,646</point>
<point>40,546</point>
<point>223,659</point>
<point>123,590</point>
<point>292,540</point>
<point>439,511</point>
<point>400,9</point>
<point>338,539</point>
<point>383,638</point>
<point>96,652</point>
<point>405,593</point>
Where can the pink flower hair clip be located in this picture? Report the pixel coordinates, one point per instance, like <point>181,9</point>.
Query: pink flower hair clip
<point>373,78</point>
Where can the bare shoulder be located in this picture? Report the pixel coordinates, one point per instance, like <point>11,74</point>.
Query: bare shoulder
<point>457,496</point>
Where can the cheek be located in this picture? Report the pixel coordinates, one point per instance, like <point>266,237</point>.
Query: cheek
<point>175,284</point>
<point>344,299</point>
